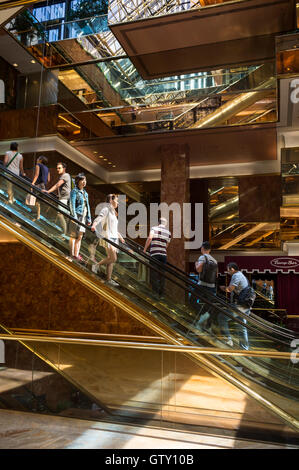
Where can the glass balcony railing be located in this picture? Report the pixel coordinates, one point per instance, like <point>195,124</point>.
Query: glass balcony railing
<point>29,31</point>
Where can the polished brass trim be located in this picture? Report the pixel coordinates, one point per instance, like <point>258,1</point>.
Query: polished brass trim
<point>81,334</point>
<point>151,346</point>
<point>210,364</point>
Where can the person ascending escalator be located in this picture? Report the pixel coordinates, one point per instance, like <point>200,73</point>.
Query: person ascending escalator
<point>243,298</point>
<point>207,268</point>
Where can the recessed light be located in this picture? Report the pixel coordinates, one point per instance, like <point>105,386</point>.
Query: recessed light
<point>101,156</point>
<point>113,166</point>
<point>33,61</point>
<point>95,152</point>
<point>105,159</point>
<point>15,65</point>
<point>109,163</point>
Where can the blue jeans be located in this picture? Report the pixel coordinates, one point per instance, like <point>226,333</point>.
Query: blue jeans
<point>242,330</point>
<point>208,316</point>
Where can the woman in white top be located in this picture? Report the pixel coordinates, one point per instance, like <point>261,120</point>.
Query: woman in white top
<point>106,226</point>
<point>13,161</point>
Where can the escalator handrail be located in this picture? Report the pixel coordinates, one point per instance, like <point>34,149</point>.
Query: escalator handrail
<point>208,298</point>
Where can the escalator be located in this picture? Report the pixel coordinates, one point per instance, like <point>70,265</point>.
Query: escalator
<point>206,99</point>
<point>273,381</point>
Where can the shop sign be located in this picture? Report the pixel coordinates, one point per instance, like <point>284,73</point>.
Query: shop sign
<point>285,262</point>
<point>265,264</point>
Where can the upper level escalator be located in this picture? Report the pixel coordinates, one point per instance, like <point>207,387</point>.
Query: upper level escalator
<point>103,84</point>
<point>178,316</point>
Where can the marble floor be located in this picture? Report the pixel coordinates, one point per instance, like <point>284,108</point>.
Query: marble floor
<point>19,430</point>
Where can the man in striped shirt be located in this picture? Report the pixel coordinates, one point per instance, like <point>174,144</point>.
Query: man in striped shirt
<point>158,241</point>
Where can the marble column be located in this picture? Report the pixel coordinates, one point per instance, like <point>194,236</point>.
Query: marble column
<point>175,189</point>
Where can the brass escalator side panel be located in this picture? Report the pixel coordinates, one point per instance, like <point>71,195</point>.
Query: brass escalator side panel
<point>87,280</point>
<point>210,364</point>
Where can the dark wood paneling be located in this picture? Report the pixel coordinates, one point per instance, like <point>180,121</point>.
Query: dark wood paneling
<point>19,123</point>
<point>260,198</point>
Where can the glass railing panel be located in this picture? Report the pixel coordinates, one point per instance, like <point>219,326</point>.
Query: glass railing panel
<point>207,112</point>
<point>78,28</point>
<point>30,384</point>
<point>155,386</point>
<point>29,31</point>
<point>196,315</point>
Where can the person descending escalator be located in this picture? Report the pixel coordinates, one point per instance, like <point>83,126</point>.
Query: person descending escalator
<point>106,226</point>
<point>80,210</point>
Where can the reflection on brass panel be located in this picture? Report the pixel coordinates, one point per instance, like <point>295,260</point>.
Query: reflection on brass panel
<point>289,225</point>
<point>288,62</point>
<point>156,385</point>
<point>259,198</point>
<point>47,298</point>
<point>17,123</point>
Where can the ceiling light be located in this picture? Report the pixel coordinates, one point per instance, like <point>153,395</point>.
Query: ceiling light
<point>105,159</point>
<point>109,163</point>
<point>33,61</point>
<point>113,166</point>
<point>95,152</point>
<point>101,156</point>
<point>15,65</point>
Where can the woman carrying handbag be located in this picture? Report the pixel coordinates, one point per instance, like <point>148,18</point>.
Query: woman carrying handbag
<point>106,226</point>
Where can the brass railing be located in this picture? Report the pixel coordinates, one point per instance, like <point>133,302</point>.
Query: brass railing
<point>143,345</point>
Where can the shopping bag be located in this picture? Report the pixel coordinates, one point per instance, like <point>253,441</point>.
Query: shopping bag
<point>30,200</point>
